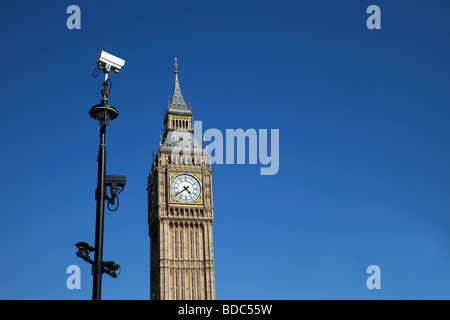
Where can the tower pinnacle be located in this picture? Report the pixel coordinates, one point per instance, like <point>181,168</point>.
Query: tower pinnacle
<point>176,66</point>
<point>177,103</point>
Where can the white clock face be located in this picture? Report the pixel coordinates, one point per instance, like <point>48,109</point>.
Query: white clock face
<point>185,188</point>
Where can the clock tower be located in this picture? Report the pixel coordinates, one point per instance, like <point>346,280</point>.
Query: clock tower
<point>180,210</point>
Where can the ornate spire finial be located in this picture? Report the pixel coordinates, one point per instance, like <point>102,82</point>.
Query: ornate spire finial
<point>176,66</point>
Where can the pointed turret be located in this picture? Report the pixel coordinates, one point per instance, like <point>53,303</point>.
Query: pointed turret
<point>178,125</point>
<point>177,104</point>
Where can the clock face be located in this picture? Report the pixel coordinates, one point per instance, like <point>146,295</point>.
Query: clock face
<point>185,188</point>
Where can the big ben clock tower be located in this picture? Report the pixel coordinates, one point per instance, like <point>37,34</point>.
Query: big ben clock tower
<point>180,210</point>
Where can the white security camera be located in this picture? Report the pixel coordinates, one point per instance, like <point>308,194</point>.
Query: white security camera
<point>110,62</point>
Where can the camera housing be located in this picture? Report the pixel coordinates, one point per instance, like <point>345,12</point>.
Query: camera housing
<point>111,265</point>
<point>109,62</point>
<point>115,181</point>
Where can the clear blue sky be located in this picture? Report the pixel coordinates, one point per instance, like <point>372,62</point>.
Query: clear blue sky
<point>364,124</point>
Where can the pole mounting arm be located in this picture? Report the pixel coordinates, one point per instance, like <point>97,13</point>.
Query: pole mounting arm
<point>110,271</point>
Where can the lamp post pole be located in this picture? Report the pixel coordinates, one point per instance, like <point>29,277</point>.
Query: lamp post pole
<point>103,113</point>
<point>99,221</point>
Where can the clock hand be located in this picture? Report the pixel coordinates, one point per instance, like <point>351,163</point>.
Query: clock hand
<point>184,188</point>
<point>179,193</point>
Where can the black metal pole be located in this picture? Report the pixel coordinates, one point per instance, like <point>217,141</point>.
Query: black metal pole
<point>99,221</point>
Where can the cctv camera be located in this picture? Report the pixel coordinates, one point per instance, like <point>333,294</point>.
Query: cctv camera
<point>110,62</point>
<point>115,181</point>
<point>111,265</point>
<point>84,247</point>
